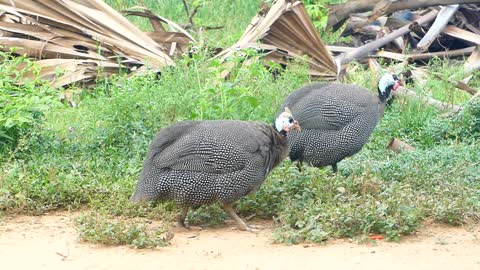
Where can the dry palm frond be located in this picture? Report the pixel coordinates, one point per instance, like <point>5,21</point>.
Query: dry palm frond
<point>82,37</point>
<point>286,32</point>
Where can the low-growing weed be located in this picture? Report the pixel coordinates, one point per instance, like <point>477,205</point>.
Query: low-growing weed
<point>100,229</point>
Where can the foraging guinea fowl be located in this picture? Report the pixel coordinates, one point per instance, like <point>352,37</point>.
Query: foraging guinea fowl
<point>336,119</point>
<point>202,162</point>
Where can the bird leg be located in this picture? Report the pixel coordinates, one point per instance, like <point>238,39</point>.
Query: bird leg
<point>182,217</point>
<point>299,166</point>
<point>334,168</point>
<point>241,224</point>
<point>181,221</point>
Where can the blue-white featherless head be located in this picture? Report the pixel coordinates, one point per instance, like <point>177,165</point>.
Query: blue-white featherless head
<point>387,81</point>
<point>285,122</point>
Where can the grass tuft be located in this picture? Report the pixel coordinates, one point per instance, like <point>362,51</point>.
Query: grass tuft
<point>99,229</point>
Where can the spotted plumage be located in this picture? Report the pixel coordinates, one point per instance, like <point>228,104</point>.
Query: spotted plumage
<point>336,119</point>
<point>201,162</point>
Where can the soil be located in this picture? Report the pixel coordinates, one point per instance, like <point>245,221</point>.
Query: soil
<point>50,242</point>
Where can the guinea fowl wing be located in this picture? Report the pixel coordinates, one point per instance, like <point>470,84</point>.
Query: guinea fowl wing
<point>326,113</point>
<point>329,107</point>
<point>202,151</point>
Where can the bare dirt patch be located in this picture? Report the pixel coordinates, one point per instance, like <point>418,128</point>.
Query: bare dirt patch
<point>50,242</point>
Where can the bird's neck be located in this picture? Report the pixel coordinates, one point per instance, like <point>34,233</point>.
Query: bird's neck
<point>282,133</point>
<point>383,96</point>
<point>381,108</point>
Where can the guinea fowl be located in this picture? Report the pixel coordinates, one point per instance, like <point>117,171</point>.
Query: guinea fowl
<point>336,119</point>
<point>201,162</point>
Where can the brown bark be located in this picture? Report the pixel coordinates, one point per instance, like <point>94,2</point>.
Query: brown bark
<point>338,14</point>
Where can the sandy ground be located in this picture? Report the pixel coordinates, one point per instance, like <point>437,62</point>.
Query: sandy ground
<point>50,242</point>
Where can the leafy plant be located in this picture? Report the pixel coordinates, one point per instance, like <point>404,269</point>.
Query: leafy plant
<point>99,229</point>
<point>21,105</point>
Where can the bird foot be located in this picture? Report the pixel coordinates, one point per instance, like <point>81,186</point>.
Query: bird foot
<point>258,227</point>
<point>185,228</point>
<point>251,228</point>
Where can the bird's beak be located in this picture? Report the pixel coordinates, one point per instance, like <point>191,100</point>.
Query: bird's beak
<point>296,126</point>
<point>397,84</point>
<point>293,126</point>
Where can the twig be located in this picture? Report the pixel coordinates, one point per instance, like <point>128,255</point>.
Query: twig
<point>190,18</point>
<point>419,56</point>
<point>190,24</point>
<point>185,6</point>
<point>206,28</point>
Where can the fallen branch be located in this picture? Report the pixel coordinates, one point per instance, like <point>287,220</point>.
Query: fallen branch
<point>438,25</point>
<point>340,49</point>
<point>458,84</point>
<point>369,47</point>
<point>338,14</point>
<point>462,34</point>
<point>421,56</point>
<point>473,62</point>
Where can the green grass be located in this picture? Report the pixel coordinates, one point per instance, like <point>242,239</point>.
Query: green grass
<point>98,229</point>
<point>233,15</point>
<point>91,155</point>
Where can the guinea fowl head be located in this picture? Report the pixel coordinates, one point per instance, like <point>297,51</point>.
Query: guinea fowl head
<point>285,122</point>
<point>387,83</point>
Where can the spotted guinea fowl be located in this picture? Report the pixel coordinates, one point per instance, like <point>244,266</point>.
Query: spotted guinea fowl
<point>202,162</point>
<point>336,119</point>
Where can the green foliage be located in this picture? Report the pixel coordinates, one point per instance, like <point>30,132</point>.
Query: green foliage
<point>211,216</point>
<point>99,229</point>
<point>318,11</point>
<point>21,106</point>
<point>438,86</point>
<point>220,13</point>
<point>390,196</point>
<point>211,13</point>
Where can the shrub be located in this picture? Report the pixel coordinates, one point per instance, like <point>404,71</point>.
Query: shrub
<point>21,105</point>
